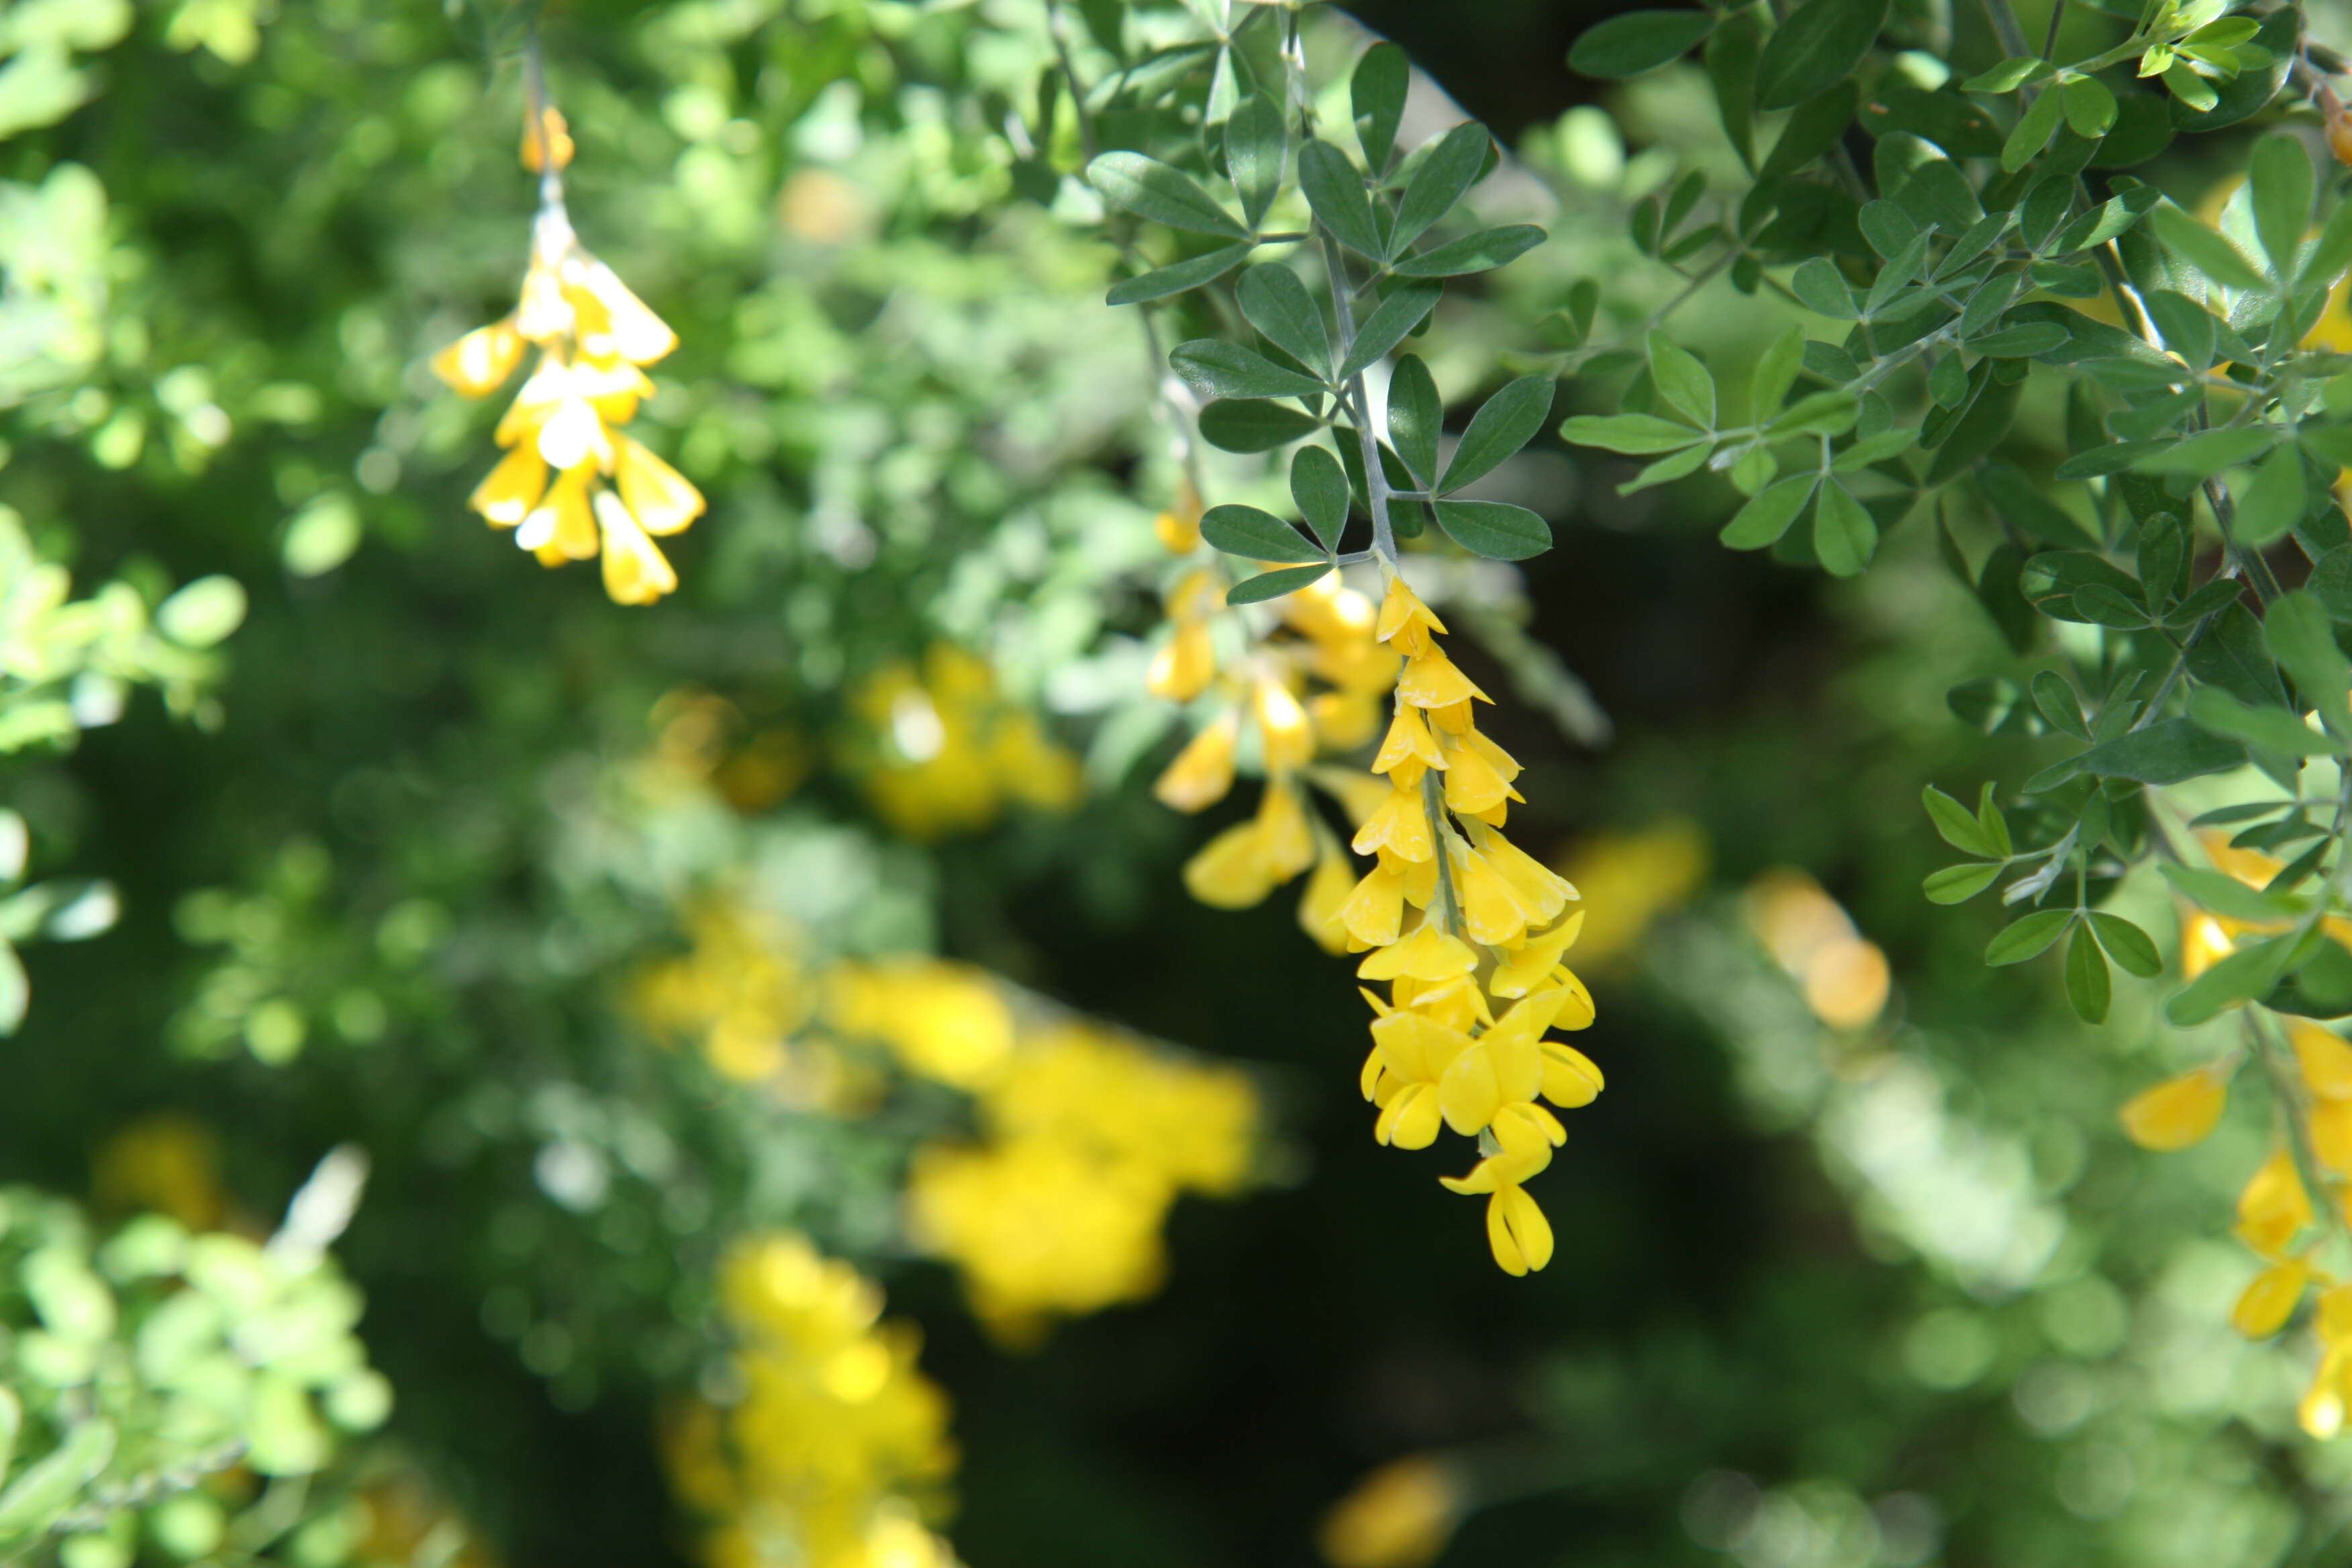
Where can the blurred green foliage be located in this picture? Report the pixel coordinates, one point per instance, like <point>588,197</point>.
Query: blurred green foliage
<point>394,854</point>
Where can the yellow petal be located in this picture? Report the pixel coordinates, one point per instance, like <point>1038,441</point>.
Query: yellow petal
<point>1182,667</point>
<point>1400,826</point>
<point>1570,1079</point>
<point>2324,1057</point>
<point>2178,1112</point>
<point>1230,871</point>
<point>1471,1091</point>
<point>1517,1231</point>
<point>546,144</point>
<point>629,329</point>
<point>1374,911</point>
<point>1322,909</point>
<point>1283,727</point>
<point>1410,1121</point>
<point>1405,620</point>
<point>1203,770</point>
<point>1283,837</point>
<point>2274,1206</point>
<point>1408,739</point>
<point>2269,1299</point>
<point>479,362</point>
<point>562,527</point>
<point>573,434</point>
<point>1430,681</point>
<point>512,486</point>
<point>636,570</point>
<point>1429,953</point>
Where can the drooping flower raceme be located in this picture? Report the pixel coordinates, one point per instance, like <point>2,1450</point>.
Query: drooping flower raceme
<point>1468,932</point>
<point>574,484</point>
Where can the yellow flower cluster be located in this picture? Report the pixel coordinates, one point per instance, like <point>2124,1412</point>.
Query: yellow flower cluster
<point>572,485</point>
<point>943,749</point>
<point>1087,1138</point>
<point>2276,1217</point>
<point>1313,685</point>
<point>1631,880</point>
<point>837,1444</point>
<point>742,992</point>
<point>1489,925</point>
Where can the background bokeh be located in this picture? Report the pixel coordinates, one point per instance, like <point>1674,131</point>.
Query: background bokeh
<point>1854,1265</point>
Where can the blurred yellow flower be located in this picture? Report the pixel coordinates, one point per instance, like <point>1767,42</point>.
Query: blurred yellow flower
<point>1629,879</point>
<point>168,1162</point>
<point>1400,1516</point>
<point>1844,978</point>
<point>942,750</point>
<point>2178,1112</point>
<point>836,1442</point>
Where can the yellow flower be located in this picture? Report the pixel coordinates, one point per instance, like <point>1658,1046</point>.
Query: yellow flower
<point>511,488</point>
<point>635,573</point>
<point>2273,1207</point>
<point>662,499</point>
<point>1202,772</point>
<point>1400,1516</point>
<point>2323,1057</point>
<point>2270,1299</point>
<point>1516,1230</point>
<point>479,362</point>
<point>2178,1112</point>
<point>1323,907</point>
<point>563,526</point>
<point>1287,738</point>
<point>1231,870</point>
<point>1429,953</point>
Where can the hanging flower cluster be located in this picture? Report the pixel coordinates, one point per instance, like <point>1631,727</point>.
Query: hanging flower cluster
<point>2311,1073</point>
<point>837,1444</point>
<point>1311,685</point>
<point>1489,925</point>
<point>574,484</point>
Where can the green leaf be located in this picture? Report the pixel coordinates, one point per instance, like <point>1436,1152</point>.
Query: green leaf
<point>1822,287</point>
<point>2058,705</point>
<point>2301,634</point>
<point>1177,278</point>
<point>1274,301</point>
<point>1376,95</point>
<point>1731,57</point>
<point>2226,896</point>
<point>1480,252</point>
<point>1960,826</point>
<point>1769,513</point>
<point>1682,380</point>
<point>1831,412</point>
<point>2331,582</point>
<point>1845,535</point>
<point>1666,469</point>
<point>2023,341</point>
<point>1872,450</point>
<point>2207,453</point>
<point>1634,434</point>
<point>2101,605</point>
<point>2024,939</point>
<point>1257,535</point>
<point>1405,308</point>
<point>1274,585</point>
<point>1416,418</point>
<point>2132,949</point>
<point>1638,42</point>
<point>2266,729</point>
<point>2088,986</point>
<point>1494,529</point>
<point>1160,191</point>
<point>2248,972</point>
<point>1813,128</point>
<point>1215,368</point>
<point>1958,884</point>
<point>2026,507</point>
<point>2331,254</point>
<point>2008,75</point>
<point>1995,825</point>
<point>1336,191</point>
<point>2164,753</point>
<point>1816,47</point>
<point>2203,249</point>
<point>2032,132</point>
<point>1255,144</point>
<point>2279,174</point>
<point>1254,424</point>
<point>1446,173</point>
<point>1502,425</point>
<point>15,992</point>
<point>1320,486</point>
<point>2090,107</point>
<point>2270,503</point>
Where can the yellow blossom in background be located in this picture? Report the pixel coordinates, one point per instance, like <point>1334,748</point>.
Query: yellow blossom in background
<point>1087,1138</point>
<point>836,1445</point>
<point>1400,1516</point>
<point>942,750</point>
<point>1630,879</point>
<point>1844,978</point>
<point>574,484</point>
<point>169,1163</point>
<point>943,1021</point>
